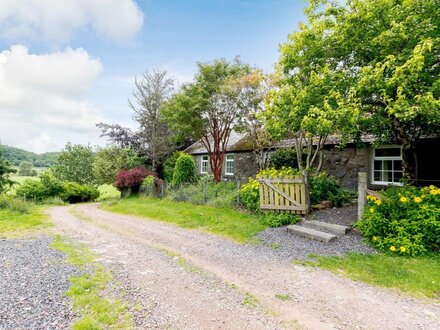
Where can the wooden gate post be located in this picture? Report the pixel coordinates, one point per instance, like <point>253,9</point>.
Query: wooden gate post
<point>362,193</point>
<point>307,190</point>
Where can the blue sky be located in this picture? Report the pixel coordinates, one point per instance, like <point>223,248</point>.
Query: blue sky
<point>103,49</point>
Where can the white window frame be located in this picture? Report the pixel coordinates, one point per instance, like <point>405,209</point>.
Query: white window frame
<point>393,158</point>
<point>229,161</point>
<point>204,162</point>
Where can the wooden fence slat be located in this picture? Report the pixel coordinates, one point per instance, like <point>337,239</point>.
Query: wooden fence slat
<point>283,194</point>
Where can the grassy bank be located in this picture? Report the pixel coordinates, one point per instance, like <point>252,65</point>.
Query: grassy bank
<point>418,276</point>
<point>86,291</point>
<point>13,223</point>
<point>229,223</point>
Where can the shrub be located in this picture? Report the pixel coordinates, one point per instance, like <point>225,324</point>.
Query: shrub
<point>185,170</point>
<point>26,169</point>
<point>169,165</point>
<point>325,187</point>
<point>77,193</point>
<point>280,219</point>
<point>132,178</point>
<point>47,186</point>
<point>284,157</point>
<point>250,195</point>
<point>147,186</point>
<point>15,204</point>
<point>406,221</point>
<point>32,189</point>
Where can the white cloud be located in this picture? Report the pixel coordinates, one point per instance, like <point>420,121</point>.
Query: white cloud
<point>58,20</point>
<point>41,103</point>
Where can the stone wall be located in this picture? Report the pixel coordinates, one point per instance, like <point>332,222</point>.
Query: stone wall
<point>346,163</point>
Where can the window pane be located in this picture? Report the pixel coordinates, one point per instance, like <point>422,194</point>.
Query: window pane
<point>387,165</point>
<point>377,176</point>
<point>397,165</point>
<point>387,152</point>
<point>377,165</point>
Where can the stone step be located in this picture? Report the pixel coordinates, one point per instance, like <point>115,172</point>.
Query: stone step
<point>329,227</point>
<point>311,233</point>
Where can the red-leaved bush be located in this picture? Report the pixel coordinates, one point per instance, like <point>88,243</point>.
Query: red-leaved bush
<point>132,178</point>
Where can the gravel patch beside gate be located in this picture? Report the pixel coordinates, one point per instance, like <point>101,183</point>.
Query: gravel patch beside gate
<point>33,282</point>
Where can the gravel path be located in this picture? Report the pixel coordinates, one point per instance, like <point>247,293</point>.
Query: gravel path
<point>295,247</point>
<point>316,299</point>
<point>33,282</point>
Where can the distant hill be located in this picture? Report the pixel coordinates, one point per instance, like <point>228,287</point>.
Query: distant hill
<point>15,156</point>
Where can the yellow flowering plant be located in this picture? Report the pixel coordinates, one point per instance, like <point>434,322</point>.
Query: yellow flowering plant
<point>406,221</point>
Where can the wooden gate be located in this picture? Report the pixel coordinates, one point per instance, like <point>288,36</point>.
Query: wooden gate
<point>284,194</point>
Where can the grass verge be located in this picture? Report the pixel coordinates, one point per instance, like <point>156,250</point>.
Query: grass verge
<point>14,223</point>
<point>418,276</point>
<point>86,291</point>
<point>229,223</point>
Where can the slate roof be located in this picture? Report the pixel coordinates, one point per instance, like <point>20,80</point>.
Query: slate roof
<point>241,142</point>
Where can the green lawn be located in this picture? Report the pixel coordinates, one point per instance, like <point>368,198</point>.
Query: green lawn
<point>418,276</point>
<point>107,191</point>
<point>229,223</point>
<point>14,224</point>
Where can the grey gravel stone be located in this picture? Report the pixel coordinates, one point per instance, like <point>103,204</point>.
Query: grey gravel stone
<point>291,246</point>
<point>33,282</point>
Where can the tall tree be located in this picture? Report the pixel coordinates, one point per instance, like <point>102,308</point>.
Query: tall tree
<point>110,160</point>
<point>378,59</point>
<point>75,164</point>
<point>149,94</point>
<point>152,139</point>
<point>206,110</point>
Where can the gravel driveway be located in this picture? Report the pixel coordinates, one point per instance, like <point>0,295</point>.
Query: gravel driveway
<point>193,280</point>
<point>33,282</point>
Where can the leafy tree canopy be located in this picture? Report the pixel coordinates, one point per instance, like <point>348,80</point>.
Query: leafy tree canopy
<point>110,160</point>
<point>366,66</point>
<point>75,164</point>
<point>5,170</point>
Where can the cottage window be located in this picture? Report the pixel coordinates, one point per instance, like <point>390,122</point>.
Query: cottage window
<point>229,168</point>
<point>204,165</point>
<point>387,165</point>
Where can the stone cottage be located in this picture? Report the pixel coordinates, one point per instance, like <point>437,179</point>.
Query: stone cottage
<point>383,164</point>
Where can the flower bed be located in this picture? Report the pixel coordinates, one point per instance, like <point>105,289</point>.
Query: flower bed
<point>405,221</point>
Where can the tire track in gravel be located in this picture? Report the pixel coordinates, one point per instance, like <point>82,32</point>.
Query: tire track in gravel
<point>173,294</point>
<point>319,299</point>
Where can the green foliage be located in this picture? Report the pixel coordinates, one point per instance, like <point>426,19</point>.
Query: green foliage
<point>15,156</point>
<point>15,204</point>
<point>74,192</point>
<point>280,219</point>
<point>185,112</point>
<point>49,188</point>
<point>284,157</point>
<point>226,222</point>
<point>147,186</point>
<point>223,194</point>
<point>250,195</point>
<point>362,66</point>
<point>38,190</point>
<point>325,187</point>
<point>5,171</point>
<point>31,190</point>
<point>285,172</point>
<point>75,164</point>
<point>419,276</point>
<point>26,169</point>
<point>110,160</point>
<point>406,221</point>
<point>185,170</point>
<point>169,165</point>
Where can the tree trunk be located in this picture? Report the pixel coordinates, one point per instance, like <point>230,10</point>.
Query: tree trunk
<point>409,163</point>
